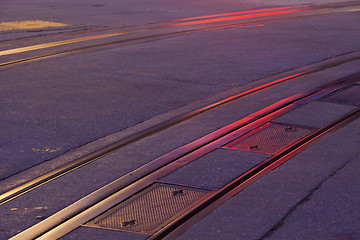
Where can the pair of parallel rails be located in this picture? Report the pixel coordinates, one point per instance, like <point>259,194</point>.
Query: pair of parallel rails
<point>121,189</point>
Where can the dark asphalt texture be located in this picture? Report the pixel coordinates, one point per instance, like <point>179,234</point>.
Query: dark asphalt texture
<point>54,105</point>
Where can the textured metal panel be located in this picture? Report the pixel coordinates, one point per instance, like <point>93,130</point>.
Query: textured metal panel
<point>269,138</point>
<point>349,96</point>
<point>149,210</point>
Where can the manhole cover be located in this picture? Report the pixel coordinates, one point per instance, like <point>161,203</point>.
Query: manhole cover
<point>149,210</point>
<point>270,138</point>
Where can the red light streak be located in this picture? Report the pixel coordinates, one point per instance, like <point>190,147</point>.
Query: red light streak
<point>214,20</point>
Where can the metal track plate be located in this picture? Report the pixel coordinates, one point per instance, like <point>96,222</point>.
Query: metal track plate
<point>151,209</point>
<point>269,138</point>
<point>349,96</point>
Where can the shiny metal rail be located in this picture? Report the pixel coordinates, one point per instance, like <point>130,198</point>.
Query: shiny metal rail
<point>168,24</point>
<point>103,199</point>
<point>182,26</point>
<point>196,213</point>
<point>184,21</point>
<point>77,163</point>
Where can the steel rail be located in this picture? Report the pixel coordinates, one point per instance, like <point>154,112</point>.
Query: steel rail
<point>214,19</point>
<point>70,41</point>
<point>123,41</point>
<point>107,35</point>
<point>151,37</point>
<point>82,31</point>
<point>94,204</point>
<point>196,213</point>
<point>73,165</point>
<point>77,163</point>
<point>214,16</point>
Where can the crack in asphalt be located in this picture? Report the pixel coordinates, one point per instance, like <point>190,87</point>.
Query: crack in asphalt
<point>307,198</point>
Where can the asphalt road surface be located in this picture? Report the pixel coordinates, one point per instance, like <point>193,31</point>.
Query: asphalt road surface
<point>54,105</point>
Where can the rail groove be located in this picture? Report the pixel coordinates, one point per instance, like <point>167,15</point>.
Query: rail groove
<point>199,211</point>
<point>94,204</point>
<point>188,22</point>
<point>77,163</point>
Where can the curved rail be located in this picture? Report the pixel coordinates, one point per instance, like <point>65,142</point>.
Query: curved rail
<point>77,163</point>
<point>187,219</point>
<point>94,204</point>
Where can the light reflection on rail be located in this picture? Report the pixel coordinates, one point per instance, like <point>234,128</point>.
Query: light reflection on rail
<point>223,19</point>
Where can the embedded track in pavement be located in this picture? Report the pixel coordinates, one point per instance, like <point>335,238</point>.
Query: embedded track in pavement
<point>84,187</point>
<point>164,29</point>
<point>77,163</point>
<point>122,189</point>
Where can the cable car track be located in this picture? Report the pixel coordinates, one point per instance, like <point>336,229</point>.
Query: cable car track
<point>82,161</point>
<point>199,211</point>
<point>196,24</point>
<point>145,175</point>
<point>96,203</point>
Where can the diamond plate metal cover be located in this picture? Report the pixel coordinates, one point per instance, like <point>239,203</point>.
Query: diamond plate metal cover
<point>349,96</point>
<point>269,138</point>
<point>151,209</point>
